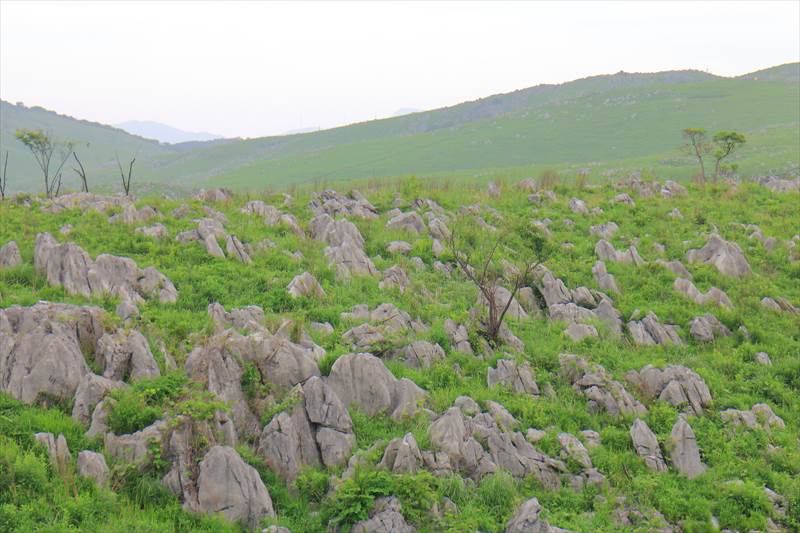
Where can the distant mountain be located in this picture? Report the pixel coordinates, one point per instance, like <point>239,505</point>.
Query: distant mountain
<point>164,133</point>
<point>608,122</point>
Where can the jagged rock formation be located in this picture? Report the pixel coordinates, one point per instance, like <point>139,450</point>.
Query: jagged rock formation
<point>68,265</point>
<point>676,267</point>
<point>684,452</point>
<point>501,296</point>
<point>91,390</point>
<point>363,380</point>
<point>604,280</point>
<point>725,256</point>
<point>398,247</point>
<point>604,231</point>
<point>649,331</point>
<point>9,255</point>
<point>712,296</point>
<point>597,386</point>
<point>305,285</point>
<point>459,337</point>
<point>131,215</point>
<point>317,430</point>
<point>156,231</point>
<point>220,194</point>
<point>85,201</point>
<point>605,251</point>
<point>676,385</point>
<point>410,221</point>
<point>779,185</point>
<point>707,327</point>
<point>527,519</point>
<point>93,465</point>
<point>779,304</point>
<point>384,517</point>
<point>581,306</point>
<point>272,216</point>
<point>420,354</point>
<point>509,373</point>
<point>760,416</point>
<point>646,445</point>
<point>335,204</point>
<point>56,448</point>
<point>578,206</point>
<point>394,276</point>
<point>346,245</point>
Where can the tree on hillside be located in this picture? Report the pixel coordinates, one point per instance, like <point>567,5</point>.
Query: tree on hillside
<point>726,143</point>
<point>697,145</point>
<point>490,259</point>
<point>43,146</point>
<point>126,179</point>
<point>81,172</point>
<point>4,178</point>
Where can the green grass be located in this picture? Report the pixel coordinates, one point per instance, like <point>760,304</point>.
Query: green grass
<point>727,366</point>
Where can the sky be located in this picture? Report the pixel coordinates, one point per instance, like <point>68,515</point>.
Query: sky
<point>250,68</point>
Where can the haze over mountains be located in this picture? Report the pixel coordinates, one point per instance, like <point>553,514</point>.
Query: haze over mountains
<point>163,132</point>
<point>604,123</point>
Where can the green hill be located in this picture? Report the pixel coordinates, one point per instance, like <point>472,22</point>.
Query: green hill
<point>606,122</point>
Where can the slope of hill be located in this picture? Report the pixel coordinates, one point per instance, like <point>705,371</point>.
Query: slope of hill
<point>164,133</point>
<point>96,145</point>
<point>600,122</point>
<point>309,369</point>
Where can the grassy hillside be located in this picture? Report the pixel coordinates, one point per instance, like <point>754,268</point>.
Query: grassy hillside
<point>614,121</point>
<point>740,461</point>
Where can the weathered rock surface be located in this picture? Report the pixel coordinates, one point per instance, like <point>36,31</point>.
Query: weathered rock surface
<point>578,206</point>
<point>760,416</point>
<point>605,251</point>
<point>684,452</point>
<point>604,231</point>
<point>650,331</point>
<point>57,449</point>
<point>249,318</point>
<point>156,231</point>
<point>125,356</point>
<point>410,221</point>
<point>712,296</point>
<point>676,385</point>
<point>93,465</point>
<point>363,380</point>
<point>42,347</point>
<point>394,276</point>
<point>420,354</point>
<point>305,285</point>
<point>131,215</point>
<point>385,517</point>
<point>707,327</point>
<point>335,204</point>
<point>317,430</point>
<point>779,185</point>
<point>228,485</point>
<point>725,256</point>
<point>604,280</point>
<point>68,265</point>
<point>516,376</point>
<point>646,445</point>
<point>501,297</point>
<point>214,195</point>
<point>398,247</point>
<point>527,519</point>
<point>779,304</point>
<point>596,385</point>
<point>9,255</point>
<point>91,389</point>
<point>572,448</point>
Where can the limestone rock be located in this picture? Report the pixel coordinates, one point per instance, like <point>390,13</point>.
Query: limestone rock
<point>684,452</point>
<point>596,385</point>
<point>578,332</point>
<point>712,296</point>
<point>156,231</point>
<point>394,277</point>
<point>57,449</point>
<point>385,517</point>
<point>458,336</point>
<point>604,231</point>
<point>604,280</point>
<point>333,203</point>
<point>578,206</point>
<point>93,465</point>
<point>214,195</point>
<point>410,221</point>
<point>572,448</point>
<point>760,416</point>
<point>676,385</point>
<point>646,445</point>
<point>9,255</point>
<point>707,327</point>
<point>518,377</point>
<point>363,380</point>
<point>605,251</point>
<point>402,455</point>
<point>650,331</point>
<point>725,256</point>
<point>237,250</point>
<point>305,285</point>
<point>527,520</point>
<point>420,354</point>
<point>91,389</point>
<point>398,247</point>
<point>125,355</point>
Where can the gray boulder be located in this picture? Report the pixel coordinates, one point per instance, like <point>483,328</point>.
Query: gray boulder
<point>125,356</point>
<point>676,385</point>
<point>605,251</point>
<point>56,448</point>
<point>385,517</point>
<point>574,449</point>
<point>602,392</point>
<point>646,446</point>
<point>458,336</point>
<point>760,416</point>
<point>93,465</point>
<point>226,484</point>
<point>725,256</point>
<point>305,285</point>
<point>398,247</point>
<point>712,296</point>
<point>518,377</point>
<point>9,255</point>
<point>684,452</point>
<point>410,221</point>
<point>604,231</point>
<point>604,280</point>
<point>650,331</point>
<point>402,455</point>
<point>394,276</point>
<point>420,354</point>
<point>91,389</point>
<point>527,519</point>
<point>707,327</point>
<point>363,380</point>
<point>237,250</point>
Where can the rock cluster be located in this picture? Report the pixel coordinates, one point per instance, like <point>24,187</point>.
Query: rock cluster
<point>676,385</point>
<point>602,392</point>
<point>605,251</point>
<point>646,445</point>
<point>336,204</point>
<point>345,251</point>
<point>760,416</point>
<point>516,376</point>
<point>208,233</point>
<point>725,256</point>
<point>214,195</point>
<point>649,331</point>
<point>131,215</point>
<point>68,265</point>
<point>712,296</point>
<point>272,216</point>
<point>707,327</point>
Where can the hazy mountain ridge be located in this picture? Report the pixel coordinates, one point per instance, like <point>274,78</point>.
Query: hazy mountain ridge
<point>165,133</point>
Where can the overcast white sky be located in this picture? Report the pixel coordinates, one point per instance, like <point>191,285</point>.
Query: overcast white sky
<point>249,69</point>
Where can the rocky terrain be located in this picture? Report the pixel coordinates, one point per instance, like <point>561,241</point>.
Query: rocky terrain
<point>320,361</point>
